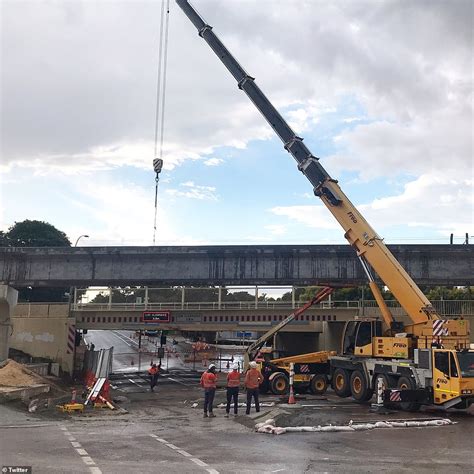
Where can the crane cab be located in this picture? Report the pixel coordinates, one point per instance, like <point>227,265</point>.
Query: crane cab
<point>364,338</point>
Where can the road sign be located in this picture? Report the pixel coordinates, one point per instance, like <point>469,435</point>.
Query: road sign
<point>156,317</point>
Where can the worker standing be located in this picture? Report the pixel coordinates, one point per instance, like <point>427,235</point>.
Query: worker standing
<point>233,384</point>
<point>153,372</point>
<point>209,384</point>
<point>253,379</point>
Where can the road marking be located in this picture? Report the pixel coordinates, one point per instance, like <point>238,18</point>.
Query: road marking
<point>185,454</point>
<point>86,459</point>
<point>179,381</point>
<point>136,383</point>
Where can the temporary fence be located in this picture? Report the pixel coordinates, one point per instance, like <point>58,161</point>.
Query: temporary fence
<point>97,367</point>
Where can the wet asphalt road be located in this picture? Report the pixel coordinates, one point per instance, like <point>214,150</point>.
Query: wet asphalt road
<point>162,433</point>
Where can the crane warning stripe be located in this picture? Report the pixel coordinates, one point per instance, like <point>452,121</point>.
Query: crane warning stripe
<point>439,329</point>
<point>71,338</point>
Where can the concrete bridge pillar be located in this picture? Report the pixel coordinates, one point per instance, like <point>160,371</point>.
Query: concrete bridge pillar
<point>8,300</point>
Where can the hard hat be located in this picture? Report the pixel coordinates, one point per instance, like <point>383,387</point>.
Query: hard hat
<point>235,366</point>
<point>212,366</point>
<point>253,364</point>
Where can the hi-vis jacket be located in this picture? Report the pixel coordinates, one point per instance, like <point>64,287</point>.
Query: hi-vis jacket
<point>233,379</point>
<point>253,378</point>
<point>208,380</point>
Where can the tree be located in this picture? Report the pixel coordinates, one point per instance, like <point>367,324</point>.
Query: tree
<point>30,233</point>
<point>36,234</point>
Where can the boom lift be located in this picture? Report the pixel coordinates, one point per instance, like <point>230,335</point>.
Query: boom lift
<point>429,358</point>
<point>311,369</point>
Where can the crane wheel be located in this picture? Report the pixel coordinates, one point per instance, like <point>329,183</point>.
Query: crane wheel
<point>360,390</point>
<point>341,383</point>
<point>318,384</point>
<point>406,383</point>
<point>279,383</point>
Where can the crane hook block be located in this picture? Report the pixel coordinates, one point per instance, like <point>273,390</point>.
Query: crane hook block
<point>157,165</point>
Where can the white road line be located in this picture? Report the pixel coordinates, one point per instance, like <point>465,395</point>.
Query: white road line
<point>179,381</point>
<point>172,446</point>
<point>82,452</point>
<point>185,454</point>
<point>136,383</point>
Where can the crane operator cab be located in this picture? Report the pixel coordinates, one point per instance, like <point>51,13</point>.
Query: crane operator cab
<point>365,338</point>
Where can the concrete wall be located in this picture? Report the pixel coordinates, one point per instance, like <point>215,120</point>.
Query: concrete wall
<point>44,330</point>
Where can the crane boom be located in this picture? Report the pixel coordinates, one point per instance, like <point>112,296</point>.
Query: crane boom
<point>360,235</point>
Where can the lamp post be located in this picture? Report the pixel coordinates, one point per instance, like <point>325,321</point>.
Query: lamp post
<point>79,238</point>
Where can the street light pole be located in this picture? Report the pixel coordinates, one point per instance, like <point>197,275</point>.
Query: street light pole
<point>79,238</point>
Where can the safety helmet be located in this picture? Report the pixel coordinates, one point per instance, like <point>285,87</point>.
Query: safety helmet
<point>235,366</point>
<point>211,366</point>
<point>253,365</point>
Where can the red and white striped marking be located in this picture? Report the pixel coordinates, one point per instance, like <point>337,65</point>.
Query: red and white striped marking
<point>304,369</point>
<point>395,396</point>
<point>71,338</point>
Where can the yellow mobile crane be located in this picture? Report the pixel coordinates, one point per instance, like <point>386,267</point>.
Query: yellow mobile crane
<point>428,360</point>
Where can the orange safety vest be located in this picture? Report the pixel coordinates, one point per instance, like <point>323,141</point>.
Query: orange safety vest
<point>233,379</point>
<point>253,378</point>
<point>208,380</point>
<point>153,370</point>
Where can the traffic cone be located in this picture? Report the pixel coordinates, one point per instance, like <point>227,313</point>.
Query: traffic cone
<point>291,398</point>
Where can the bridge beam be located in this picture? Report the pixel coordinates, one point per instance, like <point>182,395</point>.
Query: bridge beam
<point>270,265</point>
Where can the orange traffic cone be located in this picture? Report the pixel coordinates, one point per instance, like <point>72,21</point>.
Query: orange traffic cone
<point>291,398</point>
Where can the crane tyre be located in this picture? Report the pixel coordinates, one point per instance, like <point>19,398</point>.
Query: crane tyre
<point>360,390</point>
<point>407,383</point>
<point>279,383</point>
<point>341,383</point>
<point>318,384</point>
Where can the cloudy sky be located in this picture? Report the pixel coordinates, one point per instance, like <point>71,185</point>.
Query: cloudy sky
<point>382,92</point>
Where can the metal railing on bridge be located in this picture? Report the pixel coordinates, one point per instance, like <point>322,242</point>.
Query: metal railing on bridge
<point>447,308</point>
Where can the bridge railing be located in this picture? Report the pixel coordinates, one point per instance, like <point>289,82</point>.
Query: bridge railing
<point>447,308</point>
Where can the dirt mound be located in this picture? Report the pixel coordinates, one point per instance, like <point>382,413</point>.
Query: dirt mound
<point>14,374</point>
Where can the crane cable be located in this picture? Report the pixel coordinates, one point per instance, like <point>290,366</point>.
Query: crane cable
<point>160,102</point>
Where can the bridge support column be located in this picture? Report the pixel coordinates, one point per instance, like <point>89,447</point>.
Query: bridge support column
<point>8,300</point>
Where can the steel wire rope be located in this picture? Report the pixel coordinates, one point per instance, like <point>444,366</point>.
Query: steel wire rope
<point>160,102</point>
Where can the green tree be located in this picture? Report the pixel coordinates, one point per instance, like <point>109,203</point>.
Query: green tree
<point>31,233</point>
<point>36,234</point>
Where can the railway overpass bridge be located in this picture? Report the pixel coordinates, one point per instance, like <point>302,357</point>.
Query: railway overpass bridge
<point>224,265</point>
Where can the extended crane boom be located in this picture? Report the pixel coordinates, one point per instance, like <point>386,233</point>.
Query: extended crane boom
<point>368,245</point>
